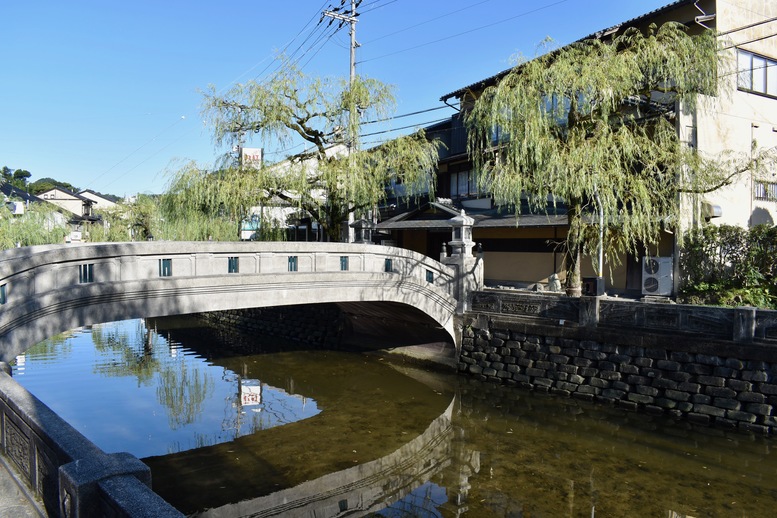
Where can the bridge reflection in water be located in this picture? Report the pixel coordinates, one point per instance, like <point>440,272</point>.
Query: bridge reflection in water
<point>383,432</point>
<point>365,488</point>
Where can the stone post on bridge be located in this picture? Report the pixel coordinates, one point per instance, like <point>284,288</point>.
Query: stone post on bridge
<point>468,268</point>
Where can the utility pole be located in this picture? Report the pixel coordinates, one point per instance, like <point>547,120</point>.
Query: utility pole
<point>350,17</point>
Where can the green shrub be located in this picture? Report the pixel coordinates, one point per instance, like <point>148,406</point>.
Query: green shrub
<point>731,266</point>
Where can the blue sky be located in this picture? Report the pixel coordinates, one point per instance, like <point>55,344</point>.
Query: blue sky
<point>106,95</point>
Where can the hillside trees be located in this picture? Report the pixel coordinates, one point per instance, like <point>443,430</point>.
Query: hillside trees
<point>46,184</point>
<point>16,177</point>
<point>592,124</point>
<point>329,177</point>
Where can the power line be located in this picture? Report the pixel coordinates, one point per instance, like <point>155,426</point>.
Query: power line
<point>750,26</point>
<point>320,47</point>
<point>437,18</point>
<point>467,31</point>
<point>406,114</point>
<point>404,127</point>
<point>365,10</point>
<point>91,182</point>
<point>736,45</point>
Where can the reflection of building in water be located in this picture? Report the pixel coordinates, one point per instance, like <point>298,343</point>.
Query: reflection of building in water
<point>367,487</point>
<point>255,405</point>
<point>250,394</point>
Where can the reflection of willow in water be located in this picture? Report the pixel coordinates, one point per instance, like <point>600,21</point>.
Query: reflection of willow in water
<point>58,346</point>
<point>182,385</point>
<point>126,354</point>
<point>182,389</point>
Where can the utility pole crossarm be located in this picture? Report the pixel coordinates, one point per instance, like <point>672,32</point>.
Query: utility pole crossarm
<point>341,17</point>
<point>351,18</point>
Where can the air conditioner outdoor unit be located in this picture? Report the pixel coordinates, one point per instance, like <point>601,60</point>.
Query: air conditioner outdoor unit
<point>657,276</point>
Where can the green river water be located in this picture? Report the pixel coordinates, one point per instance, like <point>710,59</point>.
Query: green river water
<point>246,429</point>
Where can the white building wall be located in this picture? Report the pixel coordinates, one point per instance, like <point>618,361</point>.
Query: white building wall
<point>734,119</point>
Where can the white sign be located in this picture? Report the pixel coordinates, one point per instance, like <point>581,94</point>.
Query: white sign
<point>252,156</point>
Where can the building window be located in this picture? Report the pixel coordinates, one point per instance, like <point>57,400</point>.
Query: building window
<point>429,276</point>
<point>756,73</point>
<point>165,267</point>
<point>3,294</point>
<point>85,273</point>
<point>344,263</point>
<point>233,265</point>
<point>293,263</point>
<point>463,184</point>
<point>387,266</point>
<point>766,191</point>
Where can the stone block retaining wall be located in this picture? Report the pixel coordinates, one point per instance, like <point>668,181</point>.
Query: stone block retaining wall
<point>705,381</point>
<point>319,325</point>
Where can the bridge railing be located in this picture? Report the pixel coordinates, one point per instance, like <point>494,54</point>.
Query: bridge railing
<point>31,271</point>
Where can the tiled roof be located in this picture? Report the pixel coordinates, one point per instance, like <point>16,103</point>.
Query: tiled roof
<point>9,190</point>
<point>438,216</point>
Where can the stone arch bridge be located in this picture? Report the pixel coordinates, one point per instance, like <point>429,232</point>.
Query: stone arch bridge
<point>46,290</point>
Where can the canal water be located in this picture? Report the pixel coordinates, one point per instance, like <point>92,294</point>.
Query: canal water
<point>236,427</point>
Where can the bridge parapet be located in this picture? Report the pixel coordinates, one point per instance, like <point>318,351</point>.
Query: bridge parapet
<point>30,271</point>
<point>49,289</point>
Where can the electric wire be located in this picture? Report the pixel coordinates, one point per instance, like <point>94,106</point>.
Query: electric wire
<point>749,26</point>
<point>116,178</point>
<point>363,11</point>
<point>452,36</point>
<point>406,115</point>
<point>393,130</point>
<point>430,20</point>
<point>737,45</point>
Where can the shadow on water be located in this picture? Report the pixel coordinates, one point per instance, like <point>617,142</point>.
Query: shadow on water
<point>390,439</point>
<point>371,443</point>
<point>541,455</point>
<point>489,451</point>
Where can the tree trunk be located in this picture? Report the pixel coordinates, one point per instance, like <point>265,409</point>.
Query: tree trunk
<point>574,287</point>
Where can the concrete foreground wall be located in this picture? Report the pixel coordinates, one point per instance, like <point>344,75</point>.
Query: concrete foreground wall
<point>708,365</point>
<point>72,476</point>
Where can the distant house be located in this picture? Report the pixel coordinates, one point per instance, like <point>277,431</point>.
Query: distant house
<point>278,213</point>
<point>100,201</point>
<point>80,208</point>
<point>522,251</point>
<point>77,204</point>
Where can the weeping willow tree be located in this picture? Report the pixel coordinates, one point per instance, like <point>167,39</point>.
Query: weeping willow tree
<point>200,204</point>
<point>40,224</point>
<point>593,124</point>
<point>328,178</point>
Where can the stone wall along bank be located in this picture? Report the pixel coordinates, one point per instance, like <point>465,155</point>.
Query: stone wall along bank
<point>317,325</point>
<point>685,375</point>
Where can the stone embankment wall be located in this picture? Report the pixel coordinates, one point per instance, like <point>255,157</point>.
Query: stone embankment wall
<point>688,375</point>
<point>317,325</point>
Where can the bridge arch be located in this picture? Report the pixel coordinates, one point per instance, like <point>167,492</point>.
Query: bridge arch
<point>49,289</point>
